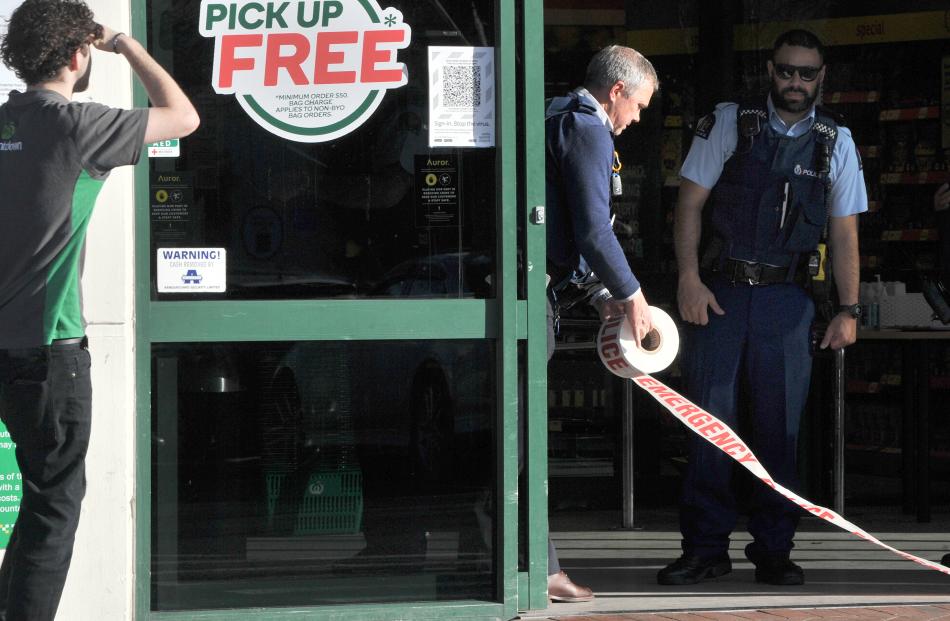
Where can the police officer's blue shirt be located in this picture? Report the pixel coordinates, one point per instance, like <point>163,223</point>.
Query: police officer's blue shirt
<point>707,156</point>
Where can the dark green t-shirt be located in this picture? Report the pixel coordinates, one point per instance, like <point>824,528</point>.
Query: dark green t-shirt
<point>54,157</point>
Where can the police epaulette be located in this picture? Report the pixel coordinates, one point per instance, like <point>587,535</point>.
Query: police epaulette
<point>705,125</point>
<point>743,111</point>
<point>826,124</point>
<point>753,104</point>
<point>750,117</point>
<point>829,132</point>
<point>577,105</point>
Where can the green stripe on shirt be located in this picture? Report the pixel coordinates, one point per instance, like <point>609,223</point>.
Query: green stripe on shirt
<point>62,315</point>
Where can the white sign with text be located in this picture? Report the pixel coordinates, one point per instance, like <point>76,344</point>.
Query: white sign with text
<point>306,71</point>
<point>191,270</point>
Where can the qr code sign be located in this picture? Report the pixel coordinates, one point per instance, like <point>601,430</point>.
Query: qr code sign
<point>462,86</point>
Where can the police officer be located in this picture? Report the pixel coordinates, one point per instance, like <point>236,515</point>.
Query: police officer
<point>777,173</point>
<point>582,250</point>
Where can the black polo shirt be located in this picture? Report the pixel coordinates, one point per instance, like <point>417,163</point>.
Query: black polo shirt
<point>54,157</point>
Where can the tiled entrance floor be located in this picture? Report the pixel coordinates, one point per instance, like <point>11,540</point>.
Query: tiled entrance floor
<point>845,578</point>
<point>872,613</point>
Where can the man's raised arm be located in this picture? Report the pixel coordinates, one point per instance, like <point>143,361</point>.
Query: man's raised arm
<point>171,114</point>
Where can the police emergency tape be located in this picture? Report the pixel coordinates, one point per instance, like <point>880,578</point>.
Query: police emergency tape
<point>620,355</point>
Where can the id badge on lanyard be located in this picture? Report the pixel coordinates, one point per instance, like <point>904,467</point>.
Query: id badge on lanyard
<point>616,187</point>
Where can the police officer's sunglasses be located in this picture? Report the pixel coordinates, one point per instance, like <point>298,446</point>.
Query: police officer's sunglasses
<point>806,73</point>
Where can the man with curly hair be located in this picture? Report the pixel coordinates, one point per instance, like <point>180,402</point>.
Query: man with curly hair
<point>55,155</point>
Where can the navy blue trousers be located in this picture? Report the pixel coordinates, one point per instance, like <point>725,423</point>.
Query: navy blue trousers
<point>46,404</point>
<point>762,340</point>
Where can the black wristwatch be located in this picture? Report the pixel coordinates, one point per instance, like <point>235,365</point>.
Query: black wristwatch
<point>854,310</point>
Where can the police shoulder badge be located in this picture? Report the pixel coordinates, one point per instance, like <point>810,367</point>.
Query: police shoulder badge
<point>704,126</point>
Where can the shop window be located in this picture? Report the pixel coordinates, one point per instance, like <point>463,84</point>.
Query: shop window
<point>321,473</point>
<point>327,219</point>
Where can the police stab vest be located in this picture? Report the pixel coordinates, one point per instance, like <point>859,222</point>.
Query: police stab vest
<point>770,204</point>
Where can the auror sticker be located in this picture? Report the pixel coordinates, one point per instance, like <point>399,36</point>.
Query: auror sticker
<point>309,71</point>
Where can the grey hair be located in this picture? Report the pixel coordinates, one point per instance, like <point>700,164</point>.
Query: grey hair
<point>616,63</point>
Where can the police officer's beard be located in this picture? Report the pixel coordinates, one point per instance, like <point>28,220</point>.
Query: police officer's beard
<point>779,100</point>
<point>83,83</point>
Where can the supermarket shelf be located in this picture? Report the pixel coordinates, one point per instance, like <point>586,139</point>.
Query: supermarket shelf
<point>580,467</point>
<point>672,121</point>
<point>888,450</point>
<point>863,387</point>
<point>910,114</point>
<point>922,178</point>
<point>846,97</point>
<point>910,235</point>
<point>940,382</point>
<point>882,267</point>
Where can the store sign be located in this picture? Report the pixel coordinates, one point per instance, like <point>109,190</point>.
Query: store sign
<point>306,70</point>
<point>171,207</point>
<point>461,96</point>
<point>11,486</point>
<point>164,148</point>
<point>191,270</point>
<point>437,186</point>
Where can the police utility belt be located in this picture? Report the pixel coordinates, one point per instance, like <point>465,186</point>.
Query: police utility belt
<point>740,272</point>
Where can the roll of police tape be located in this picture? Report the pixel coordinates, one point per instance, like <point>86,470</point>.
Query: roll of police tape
<point>619,352</point>
<point>622,357</point>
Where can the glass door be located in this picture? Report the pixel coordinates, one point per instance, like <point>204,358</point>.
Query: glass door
<point>328,312</point>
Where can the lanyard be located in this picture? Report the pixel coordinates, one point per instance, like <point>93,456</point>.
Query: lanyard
<point>616,188</point>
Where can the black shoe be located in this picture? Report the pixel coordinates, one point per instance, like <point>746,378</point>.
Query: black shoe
<point>775,570</point>
<point>689,569</point>
<point>945,560</point>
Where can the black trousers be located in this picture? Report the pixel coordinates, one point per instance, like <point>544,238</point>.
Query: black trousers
<point>46,404</point>
<point>554,564</point>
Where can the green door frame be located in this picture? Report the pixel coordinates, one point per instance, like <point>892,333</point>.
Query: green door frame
<point>533,583</point>
<point>505,319</point>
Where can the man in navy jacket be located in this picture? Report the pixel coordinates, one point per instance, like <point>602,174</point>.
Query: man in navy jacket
<point>580,130</point>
